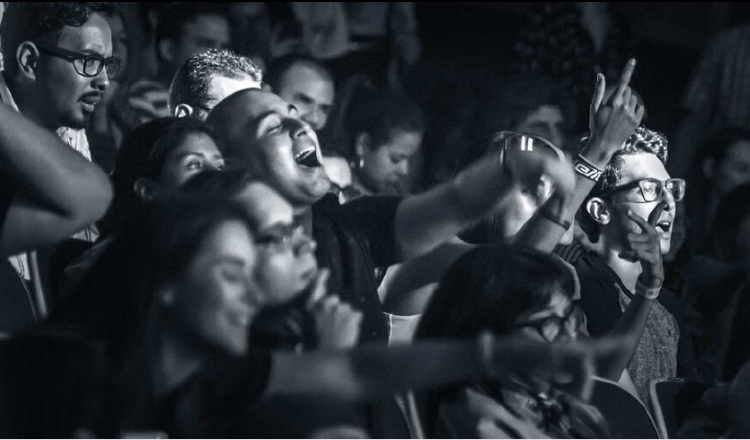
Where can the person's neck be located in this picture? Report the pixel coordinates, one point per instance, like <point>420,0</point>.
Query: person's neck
<point>628,271</point>
<point>25,102</point>
<point>303,217</point>
<point>175,360</point>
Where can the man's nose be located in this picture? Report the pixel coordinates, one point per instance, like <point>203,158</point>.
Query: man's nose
<point>403,168</point>
<point>314,118</point>
<point>101,81</point>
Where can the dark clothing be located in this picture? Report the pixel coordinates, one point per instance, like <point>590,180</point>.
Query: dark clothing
<point>737,351</point>
<point>354,239</point>
<point>661,351</point>
<point>16,303</point>
<point>50,387</point>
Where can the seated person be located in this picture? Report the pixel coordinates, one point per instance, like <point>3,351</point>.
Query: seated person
<point>154,160</point>
<point>509,291</point>
<point>383,131</point>
<point>634,187</point>
<point>166,341</point>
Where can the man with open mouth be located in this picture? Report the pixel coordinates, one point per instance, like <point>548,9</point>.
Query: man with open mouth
<point>629,217</point>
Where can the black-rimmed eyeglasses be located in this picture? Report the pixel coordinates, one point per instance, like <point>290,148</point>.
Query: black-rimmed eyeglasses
<point>651,189</point>
<point>87,65</point>
<point>551,327</point>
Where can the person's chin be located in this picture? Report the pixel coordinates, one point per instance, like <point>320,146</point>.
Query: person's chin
<point>666,244</point>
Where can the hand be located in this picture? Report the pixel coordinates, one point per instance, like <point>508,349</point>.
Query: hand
<point>612,120</point>
<point>568,365</point>
<point>528,170</point>
<point>337,324</point>
<point>646,248</point>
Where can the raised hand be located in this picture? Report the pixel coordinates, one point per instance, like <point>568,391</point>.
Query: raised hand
<point>646,247</point>
<point>337,324</point>
<point>613,119</point>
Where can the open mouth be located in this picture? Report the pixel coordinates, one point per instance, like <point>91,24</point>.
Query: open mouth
<point>664,226</point>
<point>307,158</point>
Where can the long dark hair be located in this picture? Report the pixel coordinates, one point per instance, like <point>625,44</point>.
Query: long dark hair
<point>489,287</point>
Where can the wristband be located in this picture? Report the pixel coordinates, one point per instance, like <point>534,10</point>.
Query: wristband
<point>485,353</point>
<point>646,292</point>
<point>562,223</point>
<point>585,168</point>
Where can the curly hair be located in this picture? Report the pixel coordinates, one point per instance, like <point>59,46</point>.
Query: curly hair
<point>192,80</point>
<point>27,21</point>
<point>643,140</point>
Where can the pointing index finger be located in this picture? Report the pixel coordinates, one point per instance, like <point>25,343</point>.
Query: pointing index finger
<point>627,73</point>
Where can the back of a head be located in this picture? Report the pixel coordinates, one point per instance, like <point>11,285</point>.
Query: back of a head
<point>280,66</point>
<point>381,113</point>
<point>642,141</point>
<point>143,154</point>
<point>41,21</point>
<point>191,83</point>
<point>489,288</point>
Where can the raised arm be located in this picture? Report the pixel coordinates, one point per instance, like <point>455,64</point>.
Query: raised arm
<point>377,371</point>
<point>611,122</point>
<point>426,220</point>
<point>56,191</point>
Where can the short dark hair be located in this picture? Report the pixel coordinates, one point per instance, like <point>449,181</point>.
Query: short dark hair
<point>173,18</point>
<point>191,81</point>
<point>32,21</point>
<point>643,140</point>
<point>142,154</point>
<point>278,68</point>
<point>380,114</point>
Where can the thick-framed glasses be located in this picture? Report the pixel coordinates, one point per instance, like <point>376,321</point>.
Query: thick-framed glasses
<point>85,64</point>
<point>651,190</point>
<point>551,327</point>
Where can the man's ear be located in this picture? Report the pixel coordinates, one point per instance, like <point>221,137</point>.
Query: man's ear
<point>362,142</point>
<point>166,49</point>
<point>183,111</point>
<point>144,189</point>
<point>597,210</point>
<point>27,56</point>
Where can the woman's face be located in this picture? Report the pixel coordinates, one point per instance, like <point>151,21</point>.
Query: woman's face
<point>196,154</point>
<point>286,255</point>
<point>556,322</point>
<point>214,299</point>
<point>388,163</point>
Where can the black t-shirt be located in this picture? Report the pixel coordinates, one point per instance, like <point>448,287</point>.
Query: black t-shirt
<point>354,239</point>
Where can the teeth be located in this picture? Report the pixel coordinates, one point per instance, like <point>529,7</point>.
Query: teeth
<point>303,154</point>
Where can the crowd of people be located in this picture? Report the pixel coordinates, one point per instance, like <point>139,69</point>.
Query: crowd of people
<point>279,240</point>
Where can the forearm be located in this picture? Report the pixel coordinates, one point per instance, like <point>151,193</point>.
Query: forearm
<point>427,220</point>
<point>373,371</point>
<point>49,173</point>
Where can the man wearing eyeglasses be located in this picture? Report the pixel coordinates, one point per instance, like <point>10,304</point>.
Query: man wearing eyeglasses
<point>629,217</point>
<point>57,64</point>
